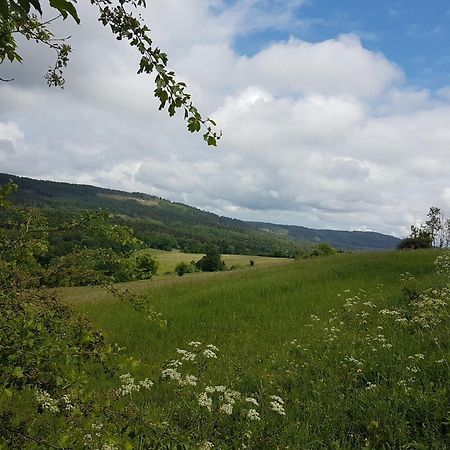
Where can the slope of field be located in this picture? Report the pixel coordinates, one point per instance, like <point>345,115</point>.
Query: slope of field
<point>313,332</point>
<point>168,260</point>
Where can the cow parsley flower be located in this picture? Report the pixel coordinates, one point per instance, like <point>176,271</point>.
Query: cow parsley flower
<point>205,401</point>
<point>128,385</point>
<point>212,347</point>
<point>189,380</point>
<point>253,415</point>
<point>194,344</point>
<point>46,401</point>
<point>276,405</point>
<point>226,408</point>
<point>209,353</point>
<point>252,400</point>
<point>171,373</point>
<point>146,383</point>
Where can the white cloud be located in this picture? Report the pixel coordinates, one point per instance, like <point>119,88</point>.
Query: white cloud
<point>325,134</point>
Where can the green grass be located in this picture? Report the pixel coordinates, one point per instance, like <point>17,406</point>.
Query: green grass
<point>168,260</point>
<point>261,321</point>
<point>248,314</point>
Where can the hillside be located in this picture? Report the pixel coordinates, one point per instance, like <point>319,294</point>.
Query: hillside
<point>165,225</point>
<point>356,240</point>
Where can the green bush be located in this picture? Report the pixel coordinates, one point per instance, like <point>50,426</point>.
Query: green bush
<point>212,261</point>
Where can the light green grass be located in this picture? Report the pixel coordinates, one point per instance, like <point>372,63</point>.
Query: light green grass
<point>261,321</point>
<point>249,314</point>
<point>168,260</point>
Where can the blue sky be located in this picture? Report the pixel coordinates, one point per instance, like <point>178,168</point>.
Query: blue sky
<point>415,34</point>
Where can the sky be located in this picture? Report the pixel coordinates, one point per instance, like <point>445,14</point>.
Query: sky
<point>335,114</point>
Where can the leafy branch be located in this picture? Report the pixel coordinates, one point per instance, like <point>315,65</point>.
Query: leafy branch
<point>17,18</point>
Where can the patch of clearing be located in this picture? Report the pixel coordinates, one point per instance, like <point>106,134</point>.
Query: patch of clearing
<point>142,201</point>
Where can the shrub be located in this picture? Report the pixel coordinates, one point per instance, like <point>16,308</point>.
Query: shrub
<point>182,268</point>
<point>212,261</point>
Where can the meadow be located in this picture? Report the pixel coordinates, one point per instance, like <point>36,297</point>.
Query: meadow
<point>333,352</point>
<point>169,259</point>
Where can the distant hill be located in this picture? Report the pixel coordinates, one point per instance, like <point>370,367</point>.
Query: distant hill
<point>356,240</point>
<point>164,224</point>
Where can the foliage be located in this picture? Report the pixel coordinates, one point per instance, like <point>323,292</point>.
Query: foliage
<point>434,233</point>
<point>20,17</point>
<point>212,261</point>
<point>323,249</point>
<point>183,267</point>
<point>420,237</point>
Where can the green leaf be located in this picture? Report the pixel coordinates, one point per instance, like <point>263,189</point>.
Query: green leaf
<point>25,4</point>
<point>17,372</point>
<point>37,5</point>
<point>64,7</point>
<point>211,141</point>
<point>8,392</point>
<point>4,8</point>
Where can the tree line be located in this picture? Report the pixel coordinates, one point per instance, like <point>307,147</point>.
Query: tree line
<point>435,232</point>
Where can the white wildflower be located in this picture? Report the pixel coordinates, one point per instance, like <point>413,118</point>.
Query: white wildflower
<point>146,383</point>
<point>187,356</point>
<point>110,447</point>
<point>209,353</point>
<point>205,401</point>
<point>171,373</point>
<point>278,408</point>
<point>128,385</point>
<point>253,415</point>
<point>67,402</point>
<point>189,380</point>
<point>231,396</point>
<point>206,446</point>
<point>252,400</point>
<point>97,426</point>
<point>226,408</point>
<point>194,344</point>
<point>212,347</point>
<point>277,399</point>
<point>46,401</point>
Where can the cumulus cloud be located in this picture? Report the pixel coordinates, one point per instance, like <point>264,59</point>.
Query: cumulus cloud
<point>326,134</point>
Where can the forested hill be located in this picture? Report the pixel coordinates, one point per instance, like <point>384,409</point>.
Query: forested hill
<point>164,224</point>
<point>362,240</point>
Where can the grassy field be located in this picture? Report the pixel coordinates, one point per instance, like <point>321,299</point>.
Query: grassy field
<point>168,260</point>
<point>313,332</point>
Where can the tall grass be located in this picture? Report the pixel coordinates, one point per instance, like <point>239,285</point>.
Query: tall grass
<point>317,334</point>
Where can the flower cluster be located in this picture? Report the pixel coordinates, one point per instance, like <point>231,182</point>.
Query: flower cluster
<point>195,358</point>
<point>277,405</point>
<point>46,402</point>
<point>129,385</point>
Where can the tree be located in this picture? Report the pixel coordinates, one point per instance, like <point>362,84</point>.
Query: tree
<point>24,17</point>
<point>419,237</point>
<point>212,261</point>
<point>434,223</point>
